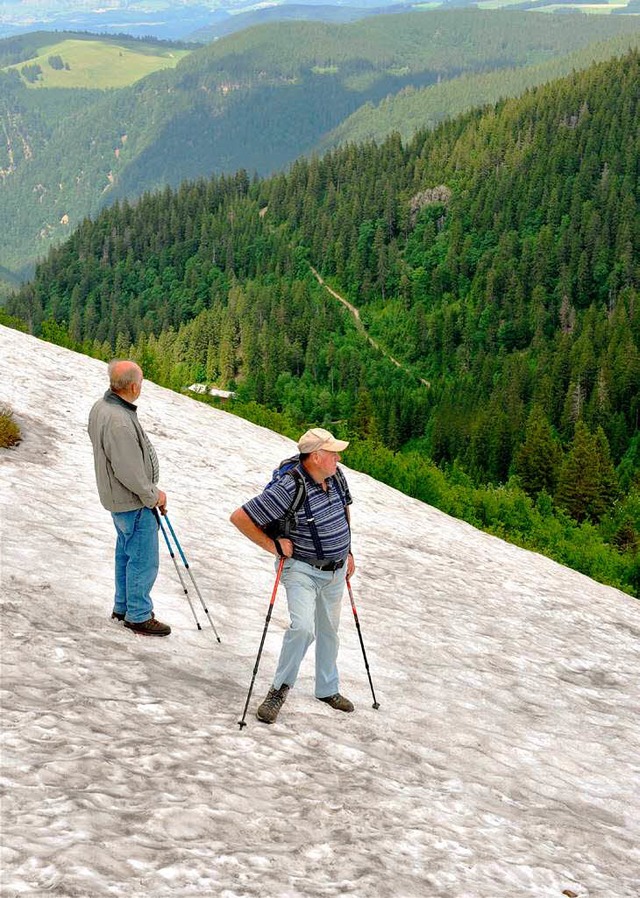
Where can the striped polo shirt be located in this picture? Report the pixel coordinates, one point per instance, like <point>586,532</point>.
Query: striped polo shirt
<point>327,510</point>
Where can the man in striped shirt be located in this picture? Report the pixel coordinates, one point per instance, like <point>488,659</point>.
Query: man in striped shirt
<point>317,560</point>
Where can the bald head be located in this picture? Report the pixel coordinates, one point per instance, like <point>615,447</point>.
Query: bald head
<point>124,374</point>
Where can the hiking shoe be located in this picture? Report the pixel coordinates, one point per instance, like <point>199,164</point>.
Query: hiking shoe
<point>115,615</point>
<point>338,702</point>
<point>151,627</point>
<point>270,707</point>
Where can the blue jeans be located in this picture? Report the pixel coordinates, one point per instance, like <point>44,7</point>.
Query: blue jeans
<point>136,562</point>
<point>314,599</point>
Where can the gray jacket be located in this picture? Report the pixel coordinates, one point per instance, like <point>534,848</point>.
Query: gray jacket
<point>125,462</point>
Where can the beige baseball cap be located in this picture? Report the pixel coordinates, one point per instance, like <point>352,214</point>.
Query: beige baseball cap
<point>317,438</point>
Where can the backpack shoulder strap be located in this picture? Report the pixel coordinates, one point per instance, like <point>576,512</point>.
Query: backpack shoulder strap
<point>343,487</point>
<point>285,525</point>
<point>301,491</point>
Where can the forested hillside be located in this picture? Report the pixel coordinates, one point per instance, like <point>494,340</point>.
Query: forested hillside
<point>255,100</point>
<point>496,257</point>
<point>413,108</point>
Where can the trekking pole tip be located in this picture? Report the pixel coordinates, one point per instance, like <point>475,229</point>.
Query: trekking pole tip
<point>218,638</point>
<point>242,723</point>
<point>375,705</point>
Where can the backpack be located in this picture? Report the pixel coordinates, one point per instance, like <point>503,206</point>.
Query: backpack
<point>286,525</point>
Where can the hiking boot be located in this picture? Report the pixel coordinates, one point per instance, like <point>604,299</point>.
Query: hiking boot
<point>270,707</point>
<point>338,702</point>
<point>115,615</point>
<point>151,627</point>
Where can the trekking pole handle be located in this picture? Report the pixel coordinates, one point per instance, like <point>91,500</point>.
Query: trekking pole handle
<point>277,581</point>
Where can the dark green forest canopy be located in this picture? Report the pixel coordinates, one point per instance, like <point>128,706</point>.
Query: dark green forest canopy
<point>496,257</point>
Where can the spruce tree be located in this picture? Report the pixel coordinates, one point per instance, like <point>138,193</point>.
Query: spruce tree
<point>587,484</point>
<point>538,458</point>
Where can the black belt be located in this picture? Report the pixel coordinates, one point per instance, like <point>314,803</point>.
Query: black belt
<point>327,565</point>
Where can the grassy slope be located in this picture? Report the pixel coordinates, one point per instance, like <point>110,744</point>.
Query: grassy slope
<point>101,64</point>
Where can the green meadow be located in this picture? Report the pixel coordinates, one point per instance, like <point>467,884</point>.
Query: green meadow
<point>100,64</point>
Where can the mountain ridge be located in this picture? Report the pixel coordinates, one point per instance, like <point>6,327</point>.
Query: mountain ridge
<point>200,19</point>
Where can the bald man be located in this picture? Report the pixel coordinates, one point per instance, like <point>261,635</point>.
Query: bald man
<point>127,472</point>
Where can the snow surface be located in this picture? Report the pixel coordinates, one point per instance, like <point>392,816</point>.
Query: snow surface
<point>503,760</point>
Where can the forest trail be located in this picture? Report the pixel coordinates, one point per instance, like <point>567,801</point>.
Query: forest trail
<point>356,316</point>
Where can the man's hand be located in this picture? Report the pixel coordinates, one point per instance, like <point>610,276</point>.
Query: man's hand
<point>245,525</point>
<point>286,547</point>
<point>351,565</point>
<point>161,504</point>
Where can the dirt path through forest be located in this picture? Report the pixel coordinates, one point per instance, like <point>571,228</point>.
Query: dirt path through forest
<point>362,328</point>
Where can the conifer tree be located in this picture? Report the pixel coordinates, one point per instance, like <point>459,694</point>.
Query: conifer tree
<point>587,483</point>
<point>578,481</point>
<point>607,479</point>
<point>538,458</point>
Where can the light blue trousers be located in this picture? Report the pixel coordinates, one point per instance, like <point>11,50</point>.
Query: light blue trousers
<point>136,562</point>
<point>314,599</point>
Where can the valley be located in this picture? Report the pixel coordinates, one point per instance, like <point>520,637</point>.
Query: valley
<point>255,100</point>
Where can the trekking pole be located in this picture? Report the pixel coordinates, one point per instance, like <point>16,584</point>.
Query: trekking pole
<point>375,705</point>
<point>175,564</point>
<point>242,723</point>
<point>186,564</point>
